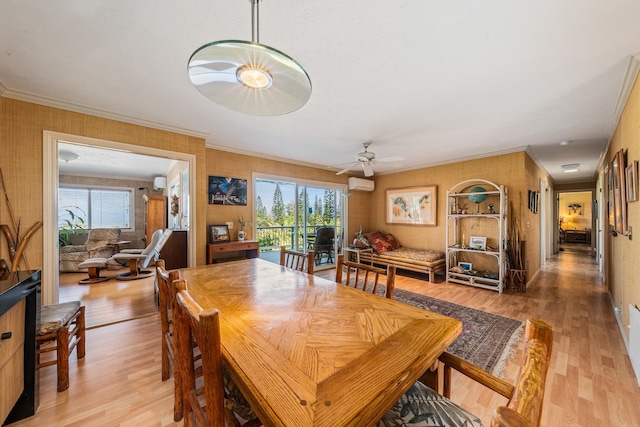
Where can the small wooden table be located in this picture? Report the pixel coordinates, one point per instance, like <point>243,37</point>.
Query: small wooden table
<point>306,351</point>
<point>249,248</point>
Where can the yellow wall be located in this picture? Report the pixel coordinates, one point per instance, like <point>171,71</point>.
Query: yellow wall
<point>623,253</point>
<point>516,171</point>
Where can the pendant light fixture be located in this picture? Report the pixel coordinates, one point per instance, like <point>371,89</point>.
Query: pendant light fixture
<point>249,77</point>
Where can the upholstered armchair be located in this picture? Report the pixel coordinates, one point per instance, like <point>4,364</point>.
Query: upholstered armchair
<point>100,244</point>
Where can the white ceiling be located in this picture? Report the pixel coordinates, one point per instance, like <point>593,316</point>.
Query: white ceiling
<point>433,81</point>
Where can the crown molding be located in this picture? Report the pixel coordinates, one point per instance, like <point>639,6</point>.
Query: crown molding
<point>458,160</point>
<point>268,157</point>
<point>83,109</point>
<point>625,90</point>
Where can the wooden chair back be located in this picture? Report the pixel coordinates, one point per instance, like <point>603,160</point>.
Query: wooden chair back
<point>297,260</point>
<point>365,276</point>
<point>205,404</point>
<point>526,397</point>
<point>166,300</point>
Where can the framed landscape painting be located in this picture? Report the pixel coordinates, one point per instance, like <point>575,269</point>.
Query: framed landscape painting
<point>415,205</point>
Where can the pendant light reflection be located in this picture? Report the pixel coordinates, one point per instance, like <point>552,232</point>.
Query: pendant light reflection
<point>249,77</point>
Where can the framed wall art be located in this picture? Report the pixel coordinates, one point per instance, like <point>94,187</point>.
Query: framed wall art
<point>465,266</point>
<point>227,191</point>
<point>619,193</point>
<point>415,205</point>
<point>478,243</point>
<point>632,181</point>
<point>219,233</point>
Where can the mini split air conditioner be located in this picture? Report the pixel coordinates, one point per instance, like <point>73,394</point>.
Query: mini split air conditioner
<point>159,182</point>
<point>359,184</point>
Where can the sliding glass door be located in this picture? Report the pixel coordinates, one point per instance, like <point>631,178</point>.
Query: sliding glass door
<point>299,215</point>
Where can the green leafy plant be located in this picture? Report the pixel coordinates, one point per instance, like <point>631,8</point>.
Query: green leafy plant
<point>243,223</point>
<point>73,225</point>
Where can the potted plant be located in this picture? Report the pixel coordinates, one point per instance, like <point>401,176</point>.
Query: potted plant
<point>357,242</point>
<point>243,223</point>
<point>74,225</point>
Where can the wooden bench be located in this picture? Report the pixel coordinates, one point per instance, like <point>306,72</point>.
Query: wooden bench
<point>419,260</point>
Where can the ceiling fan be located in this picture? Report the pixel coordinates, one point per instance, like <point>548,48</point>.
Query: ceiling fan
<point>367,159</point>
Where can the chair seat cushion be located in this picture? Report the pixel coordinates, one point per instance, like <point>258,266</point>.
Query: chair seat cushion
<point>53,316</point>
<point>420,406</point>
<point>235,400</point>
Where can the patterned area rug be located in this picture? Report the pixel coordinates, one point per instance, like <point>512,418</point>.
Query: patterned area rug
<point>487,340</point>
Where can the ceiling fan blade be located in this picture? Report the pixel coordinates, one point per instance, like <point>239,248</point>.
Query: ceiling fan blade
<point>368,169</point>
<point>390,159</point>
<point>346,169</point>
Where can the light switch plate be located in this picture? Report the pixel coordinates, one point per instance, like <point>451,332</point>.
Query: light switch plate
<point>230,225</point>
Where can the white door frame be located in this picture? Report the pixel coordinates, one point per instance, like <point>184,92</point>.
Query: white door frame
<point>50,258</point>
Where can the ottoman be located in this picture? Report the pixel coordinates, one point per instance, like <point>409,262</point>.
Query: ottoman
<point>93,265</point>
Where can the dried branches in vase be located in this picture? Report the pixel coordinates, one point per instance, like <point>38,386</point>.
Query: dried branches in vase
<point>517,273</point>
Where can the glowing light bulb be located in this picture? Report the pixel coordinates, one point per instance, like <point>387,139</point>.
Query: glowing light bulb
<point>254,78</point>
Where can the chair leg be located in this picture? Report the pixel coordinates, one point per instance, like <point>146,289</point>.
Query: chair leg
<point>62,355</point>
<point>80,347</point>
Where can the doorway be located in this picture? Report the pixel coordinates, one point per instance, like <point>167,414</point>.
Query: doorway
<point>300,215</point>
<point>50,276</point>
<point>576,221</point>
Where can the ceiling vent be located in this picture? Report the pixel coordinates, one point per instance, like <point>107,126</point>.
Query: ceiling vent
<point>359,184</point>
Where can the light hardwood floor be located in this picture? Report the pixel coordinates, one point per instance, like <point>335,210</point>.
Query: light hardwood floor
<point>111,301</point>
<point>590,381</point>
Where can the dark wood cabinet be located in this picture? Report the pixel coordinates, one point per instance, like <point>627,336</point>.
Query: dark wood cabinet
<point>19,310</point>
<point>174,252</point>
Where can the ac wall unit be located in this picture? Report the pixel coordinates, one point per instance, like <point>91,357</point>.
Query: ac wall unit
<point>359,184</point>
<point>159,182</point>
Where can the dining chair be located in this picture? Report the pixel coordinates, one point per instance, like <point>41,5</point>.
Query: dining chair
<point>217,402</point>
<point>365,276</point>
<point>165,303</point>
<point>524,407</point>
<point>297,260</point>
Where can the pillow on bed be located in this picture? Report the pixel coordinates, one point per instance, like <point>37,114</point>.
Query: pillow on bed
<point>393,242</point>
<point>378,241</point>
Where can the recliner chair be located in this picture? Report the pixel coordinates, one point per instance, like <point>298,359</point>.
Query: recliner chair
<point>137,262</point>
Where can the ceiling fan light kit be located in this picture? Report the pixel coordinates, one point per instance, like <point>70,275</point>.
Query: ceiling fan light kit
<point>249,77</point>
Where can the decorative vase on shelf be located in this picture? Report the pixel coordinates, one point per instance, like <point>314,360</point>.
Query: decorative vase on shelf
<point>241,235</point>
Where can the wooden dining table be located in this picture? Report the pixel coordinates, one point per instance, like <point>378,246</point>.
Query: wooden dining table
<point>306,351</point>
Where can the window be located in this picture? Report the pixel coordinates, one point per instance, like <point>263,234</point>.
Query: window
<point>95,207</point>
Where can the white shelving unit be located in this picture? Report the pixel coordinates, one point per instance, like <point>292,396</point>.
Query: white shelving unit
<point>461,227</point>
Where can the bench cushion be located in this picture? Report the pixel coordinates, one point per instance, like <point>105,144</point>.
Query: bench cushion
<point>53,316</point>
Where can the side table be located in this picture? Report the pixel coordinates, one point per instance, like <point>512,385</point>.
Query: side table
<point>352,253</point>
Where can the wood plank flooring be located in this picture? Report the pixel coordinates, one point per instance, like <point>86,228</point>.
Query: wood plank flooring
<point>111,301</point>
<point>590,381</point>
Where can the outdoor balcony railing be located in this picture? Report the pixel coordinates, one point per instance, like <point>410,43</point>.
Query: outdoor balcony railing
<point>272,237</point>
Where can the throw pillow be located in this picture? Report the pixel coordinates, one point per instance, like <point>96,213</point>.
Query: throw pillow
<point>393,242</point>
<point>378,242</point>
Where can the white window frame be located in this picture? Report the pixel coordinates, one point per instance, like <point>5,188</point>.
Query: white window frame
<point>132,202</point>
